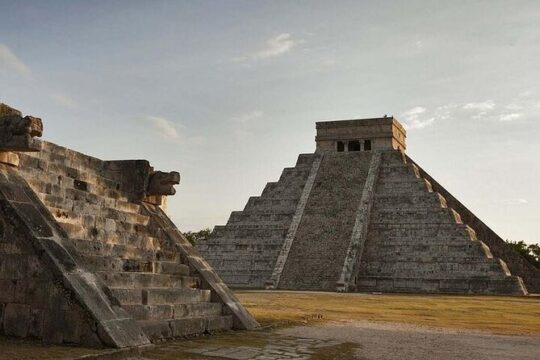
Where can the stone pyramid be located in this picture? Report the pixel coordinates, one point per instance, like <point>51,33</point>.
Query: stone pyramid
<point>360,215</point>
<point>88,256</point>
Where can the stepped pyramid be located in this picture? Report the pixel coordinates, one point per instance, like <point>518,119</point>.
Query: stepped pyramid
<point>88,256</point>
<point>360,215</point>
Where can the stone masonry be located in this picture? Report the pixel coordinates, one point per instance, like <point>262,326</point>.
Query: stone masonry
<point>360,215</point>
<point>88,257</point>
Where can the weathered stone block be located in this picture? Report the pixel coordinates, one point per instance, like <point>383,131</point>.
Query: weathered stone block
<point>17,320</point>
<point>185,327</point>
<point>7,289</point>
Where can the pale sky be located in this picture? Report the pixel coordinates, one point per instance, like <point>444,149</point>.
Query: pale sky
<point>228,92</point>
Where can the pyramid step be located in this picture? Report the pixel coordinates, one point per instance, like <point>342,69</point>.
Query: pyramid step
<point>392,180</point>
<point>222,231</point>
<point>403,187</point>
<point>56,166</point>
<point>415,216</point>
<point>256,203</point>
<point>100,248</point>
<point>280,190</point>
<point>171,268</point>
<point>241,217</point>
<point>112,223</point>
<point>159,330</point>
<point>481,267</point>
<point>180,311</point>
<point>305,160</point>
<point>279,227</point>
<point>114,264</point>
<point>144,279</point>
<point>117,264</point>
<point>427,230</point>
<point>125,216</point>
<point>160,296</point>
<point>399,171</point>
<point>508,285</point>
<point>399,201</point>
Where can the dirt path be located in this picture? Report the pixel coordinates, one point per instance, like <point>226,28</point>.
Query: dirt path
<point>401,341</point>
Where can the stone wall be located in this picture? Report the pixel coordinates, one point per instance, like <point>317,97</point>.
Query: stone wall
<point>33,301</point>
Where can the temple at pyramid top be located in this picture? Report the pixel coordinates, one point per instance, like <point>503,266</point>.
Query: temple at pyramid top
<point>384,133</point>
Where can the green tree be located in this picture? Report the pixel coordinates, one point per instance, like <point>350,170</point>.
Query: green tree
<point>195,236</point>
<point>530,252</point>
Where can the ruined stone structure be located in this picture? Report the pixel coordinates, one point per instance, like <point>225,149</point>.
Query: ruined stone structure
<point>87,256</point>
<point>360,215</point>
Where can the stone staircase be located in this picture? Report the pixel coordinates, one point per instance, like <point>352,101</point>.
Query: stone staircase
<point>119,241</point>
<point>244,251</point>
<point>416,243</point>
<point>323,236</point>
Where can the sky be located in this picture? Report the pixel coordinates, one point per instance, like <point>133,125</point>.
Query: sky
<point>228,92</point>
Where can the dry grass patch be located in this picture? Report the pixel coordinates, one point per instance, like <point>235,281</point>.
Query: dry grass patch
<point>497,314</point>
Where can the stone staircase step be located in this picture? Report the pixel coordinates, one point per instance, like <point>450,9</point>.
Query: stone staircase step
<point>159,330</point>
<point>398,201</point>
<point>241,217</point>
<point>93,247</point>
<point>508,285</point>
<point>117,264</point>
<point>125,216</point>
<point>171,268</point>
<point>416,216</point>
<point>160,296</point>
<point>179,311</point>
<point>114,264</point>
<point>110,219</point>
<point>257,203</point>
<point>136,280</point>
<point>427,268</point>
<point>222,231</point>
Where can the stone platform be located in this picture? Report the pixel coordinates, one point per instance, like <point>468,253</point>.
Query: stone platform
<point>88,256</point>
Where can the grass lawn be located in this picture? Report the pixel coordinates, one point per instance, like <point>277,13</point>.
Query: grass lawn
<point>497,314</point>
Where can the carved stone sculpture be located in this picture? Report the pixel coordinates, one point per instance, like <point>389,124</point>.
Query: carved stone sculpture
<point>17,133</point>
<point>162,183</point>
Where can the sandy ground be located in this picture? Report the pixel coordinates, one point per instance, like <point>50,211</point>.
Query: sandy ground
<point>403,341</point>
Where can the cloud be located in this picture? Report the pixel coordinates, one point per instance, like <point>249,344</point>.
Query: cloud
<point>518,201</point>
<point>445,112</point>
<point>514,106</point>
<point>509,117</point>
<point>162,126</point>
<point>415,118</point>
<point>245,123</point>
<point>482,106</point>
<point>419,44</point>
<point>64,100</point>
<point>248,117</point>
<point>276,46</point>
<point>10,62</point>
